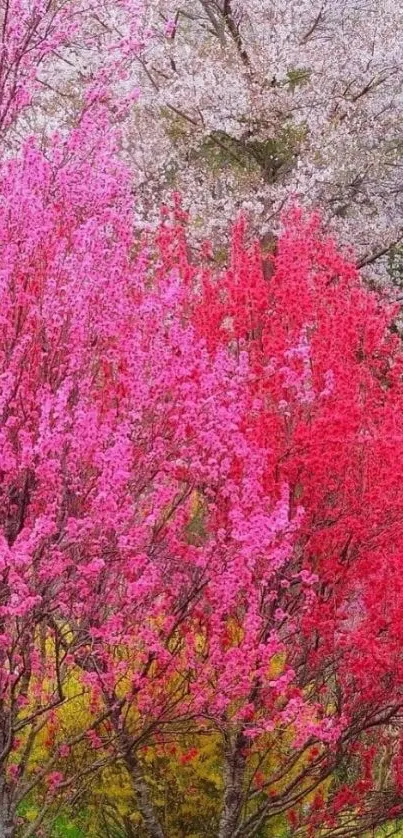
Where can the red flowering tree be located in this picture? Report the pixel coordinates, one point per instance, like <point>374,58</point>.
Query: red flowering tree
<point>327,408</point>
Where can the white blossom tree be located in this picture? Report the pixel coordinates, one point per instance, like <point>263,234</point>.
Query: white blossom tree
<point>246,103</point>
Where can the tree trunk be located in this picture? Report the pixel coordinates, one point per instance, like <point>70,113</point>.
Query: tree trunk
<point>144,802</point>
<point>7,822</point>
<point>234,775</point>
<point>7,828</point>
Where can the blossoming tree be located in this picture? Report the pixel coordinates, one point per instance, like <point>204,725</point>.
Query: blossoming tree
<point>117,422</point>
<point>253,101</point>
<point>56,58</point>
<point>327,372</point>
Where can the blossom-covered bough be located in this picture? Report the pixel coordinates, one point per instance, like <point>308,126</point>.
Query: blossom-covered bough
<point>57,57</point>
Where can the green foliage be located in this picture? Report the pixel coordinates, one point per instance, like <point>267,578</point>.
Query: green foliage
<point>395,265</point>
<point>395,829</point>
<point>65,828</point>
<point>271,158</point>
<point>176,127</point>
<point>297,76</point>
<point>196,525</point>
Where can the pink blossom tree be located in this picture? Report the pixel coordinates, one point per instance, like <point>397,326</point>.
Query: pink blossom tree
<point>116,421</point>
<point>57,57</point>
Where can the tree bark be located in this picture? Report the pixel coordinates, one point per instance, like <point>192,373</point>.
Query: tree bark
<point>144,802</point>
<point>7,829</point>
<point>234,776</point>
<point>7,822</point>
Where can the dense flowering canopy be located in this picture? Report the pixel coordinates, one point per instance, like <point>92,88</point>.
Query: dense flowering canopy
<point>327,383</point>
<point>200,501</point>
<point>118,427</point>
<point>200,509</point>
